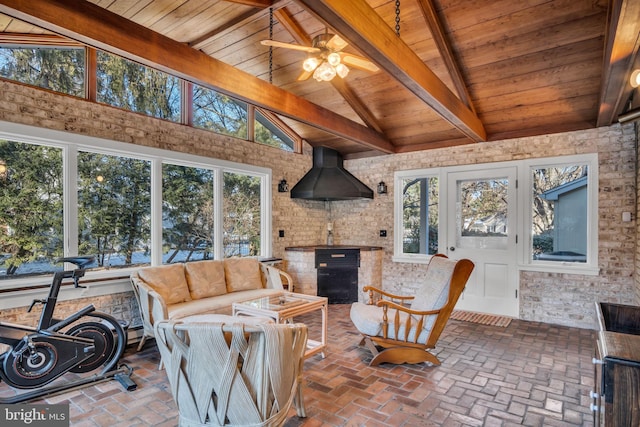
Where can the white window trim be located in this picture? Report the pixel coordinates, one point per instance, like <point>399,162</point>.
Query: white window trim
<point>524,212</point>
<point>70,144</point>
<point>398,241</point>
<point>525,256</point>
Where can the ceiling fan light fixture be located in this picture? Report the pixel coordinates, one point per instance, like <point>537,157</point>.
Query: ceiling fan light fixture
<point>635,78</point>
<point>333,59</point>
<point>324,72</point>
<point>310,64</point>
<point>342,70</point>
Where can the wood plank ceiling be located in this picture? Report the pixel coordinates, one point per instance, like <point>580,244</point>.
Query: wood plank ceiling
<point>459,72</point>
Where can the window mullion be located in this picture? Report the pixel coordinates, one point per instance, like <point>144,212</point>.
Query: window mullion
<point>70,200</point>
<point>156,212</point>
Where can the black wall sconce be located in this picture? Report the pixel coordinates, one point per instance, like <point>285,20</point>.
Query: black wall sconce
<point>382,188</point>
<point>283,186</point>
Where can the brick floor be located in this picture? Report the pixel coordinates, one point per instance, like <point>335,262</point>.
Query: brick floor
<point>528,373</point>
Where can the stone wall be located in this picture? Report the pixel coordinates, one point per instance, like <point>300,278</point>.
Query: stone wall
<point>555,298</point>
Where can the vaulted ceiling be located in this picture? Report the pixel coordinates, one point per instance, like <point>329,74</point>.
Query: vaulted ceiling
<point>451,72</point>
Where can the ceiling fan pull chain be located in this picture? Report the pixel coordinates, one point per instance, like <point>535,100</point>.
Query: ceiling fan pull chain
<point>271,47</point>
<point>398,17</point>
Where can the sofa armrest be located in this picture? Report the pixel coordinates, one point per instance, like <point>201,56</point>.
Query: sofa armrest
<point>276,278</point>
<point>152,306</point>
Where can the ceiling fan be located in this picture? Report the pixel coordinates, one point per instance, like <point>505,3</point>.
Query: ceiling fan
<point>325,58</point>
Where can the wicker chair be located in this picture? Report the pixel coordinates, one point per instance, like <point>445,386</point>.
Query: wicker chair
<point>233,374</point>
<point>401,329</point>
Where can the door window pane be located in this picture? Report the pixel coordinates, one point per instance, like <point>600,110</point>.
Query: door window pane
<point>559,226</point>
<point>420,215</point>
<point>187,213</point>
<point>241,215</point>
<point>31,220</point>
<point>114,209</point>
<point>58,69</point>
<point>134,87</point>
<point>481,213</point>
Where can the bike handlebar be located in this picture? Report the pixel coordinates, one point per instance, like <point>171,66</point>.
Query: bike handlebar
<point>80,261</point>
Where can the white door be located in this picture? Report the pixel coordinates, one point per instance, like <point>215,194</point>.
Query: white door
<point>483,229</point>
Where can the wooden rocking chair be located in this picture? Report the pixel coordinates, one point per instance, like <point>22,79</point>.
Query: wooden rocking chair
<point>405,327</point>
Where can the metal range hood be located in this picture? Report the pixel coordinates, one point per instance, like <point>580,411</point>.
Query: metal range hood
<point>328,180</point>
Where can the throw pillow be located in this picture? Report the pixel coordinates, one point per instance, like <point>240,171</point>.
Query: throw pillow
<point>242,274</point>
<point>168,281</point>
<point>205,278</point>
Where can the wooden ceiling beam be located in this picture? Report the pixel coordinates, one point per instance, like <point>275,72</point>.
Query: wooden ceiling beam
<point>621,50</point>
<point>101,29</point>
<point>299,35</point>
<point>358,23</point>
<point>444,47</point>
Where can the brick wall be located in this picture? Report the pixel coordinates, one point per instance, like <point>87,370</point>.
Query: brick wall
<point>546,297</point>
<point>554,298</point>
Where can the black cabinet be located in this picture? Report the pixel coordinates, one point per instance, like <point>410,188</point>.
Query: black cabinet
<point>616,398</point>
<point>337,274</point>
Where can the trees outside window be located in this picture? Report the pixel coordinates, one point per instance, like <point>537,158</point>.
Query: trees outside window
<point>114,209</point>
<point>219,113</point>
<point>31,208</point>
<point>134,87</point>
<point>187,213</point>
<point>241,214</point>
<point>58,69</point>
<point>420,215</point>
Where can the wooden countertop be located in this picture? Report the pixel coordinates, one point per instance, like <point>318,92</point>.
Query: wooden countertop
<point>312,248</point>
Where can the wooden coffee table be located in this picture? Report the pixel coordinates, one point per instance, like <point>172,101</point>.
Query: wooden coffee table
<point>283,308</point>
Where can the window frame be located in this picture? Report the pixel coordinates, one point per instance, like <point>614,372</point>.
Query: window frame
<point>525,250</point>
<point>398,214</point>
<point>524,202</point>
<point>72,143</point>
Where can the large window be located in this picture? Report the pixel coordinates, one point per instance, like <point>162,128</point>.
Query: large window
<point>126,205</point>
<point>187,213</point>
<point>114,209</point>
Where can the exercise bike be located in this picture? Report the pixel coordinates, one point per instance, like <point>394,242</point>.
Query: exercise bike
<point>85,341</point>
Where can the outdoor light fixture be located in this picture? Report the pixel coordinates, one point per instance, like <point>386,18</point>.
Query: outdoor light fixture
<point>283,186</point>
<point>382,188</point>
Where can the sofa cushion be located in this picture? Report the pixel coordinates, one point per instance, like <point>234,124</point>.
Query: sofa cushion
<point>242,274</point>
<point>205,278</point>
<point>168,281</point>
<point>220,304</point>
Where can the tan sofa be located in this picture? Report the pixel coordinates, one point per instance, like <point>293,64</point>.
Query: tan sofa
<point>175,291</point>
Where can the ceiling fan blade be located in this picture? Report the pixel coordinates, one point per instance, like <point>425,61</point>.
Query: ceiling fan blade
<point>304,76</point>
<point>290,46</point>
<point>358,62</point>
<point>336,43</point>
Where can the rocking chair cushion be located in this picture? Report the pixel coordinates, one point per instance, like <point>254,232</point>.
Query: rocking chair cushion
<point>434,289</point>
<point>368,320</point>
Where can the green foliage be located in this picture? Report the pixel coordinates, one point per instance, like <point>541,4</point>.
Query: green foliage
<point>57,69</point>
<point>187,210</point>
<point>114,205</point>
<point>241,213</point>
<point>30,203</point>
<point>415,206</point>
<point>125,84</point>
<point>219,113</point>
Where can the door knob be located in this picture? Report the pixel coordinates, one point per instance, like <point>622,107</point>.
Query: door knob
<point>452,248</point>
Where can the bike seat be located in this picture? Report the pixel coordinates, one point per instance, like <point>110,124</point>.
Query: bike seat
<point>80,261</point>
